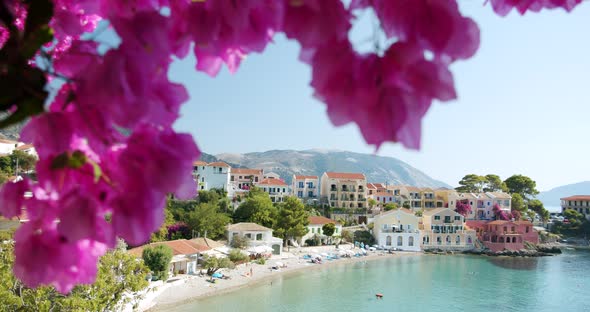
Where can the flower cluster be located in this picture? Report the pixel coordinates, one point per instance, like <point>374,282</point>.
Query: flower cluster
<point>503,7</point>
<point>108,155</point>
<point>463,207</point>
<point>501,214</point>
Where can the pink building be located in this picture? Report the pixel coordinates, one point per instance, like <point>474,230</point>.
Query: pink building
<point>499,235</point>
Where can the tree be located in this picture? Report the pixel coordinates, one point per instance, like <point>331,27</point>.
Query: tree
<point>390,206</point>
<point>162,233</point>
<point>518,203</point>
<point>463,207</point>
<point>207,219</point>
<point>575,218</point>
<point>347,236</point>
<point>213,264</point>
<point>538,207</point>
<point>372,202</point>
<point>364,237</point>
<point>471,183</point>
<point>406,205</point>
<point>328,230</point>
<point>120,276</point>
<point>257,208</point>
<point>493,183</point>
<point>158,259</point>
<point>292,220</point>
<point>522,185</point>
<point>239,242</point>
<point>26,162</point>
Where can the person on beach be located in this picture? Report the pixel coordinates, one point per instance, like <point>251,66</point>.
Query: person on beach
<point>251,272</point>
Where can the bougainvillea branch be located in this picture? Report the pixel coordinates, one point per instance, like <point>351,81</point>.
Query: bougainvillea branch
<point>108,155</point>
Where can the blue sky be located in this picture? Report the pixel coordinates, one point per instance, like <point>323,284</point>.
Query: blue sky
<point>523,103</point>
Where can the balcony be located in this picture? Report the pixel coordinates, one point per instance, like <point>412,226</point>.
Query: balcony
<point>394,230</point>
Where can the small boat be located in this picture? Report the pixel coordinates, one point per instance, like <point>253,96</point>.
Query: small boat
<point>379,296</point>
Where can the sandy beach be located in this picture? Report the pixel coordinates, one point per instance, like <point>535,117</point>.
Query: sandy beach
<point>189,288</point>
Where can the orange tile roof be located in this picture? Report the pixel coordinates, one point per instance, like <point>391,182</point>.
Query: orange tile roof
<point>382,193</point>
<point>315,220</point>
<point>246,171</point>
<point>345,175</point>
<point>179,247</point>
<point>577,197</point>
<point>8,141</point>
<point>199,163</point>
<point>273,182</point>
<point>218,164</point>
<point>24,147</point>
<point>302,177</point>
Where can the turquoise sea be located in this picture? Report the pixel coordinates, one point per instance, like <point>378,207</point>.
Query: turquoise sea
<point>422,283</point>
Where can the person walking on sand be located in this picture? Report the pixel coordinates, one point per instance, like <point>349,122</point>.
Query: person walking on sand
<point>251,272</point>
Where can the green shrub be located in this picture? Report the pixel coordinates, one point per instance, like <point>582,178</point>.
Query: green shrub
<point>158,260</point>
<point>260,261</point>
<point>236,256</point>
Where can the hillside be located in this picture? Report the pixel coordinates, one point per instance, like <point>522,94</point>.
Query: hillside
<point>316,161</point>
<point>551,197</point>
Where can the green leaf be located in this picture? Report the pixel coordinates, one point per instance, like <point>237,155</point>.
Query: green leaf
<point>33,42</point>
<point>28,107</point>
<point>77,160</point>
<point>60,161</point>
<point>38,15</point>
<point>97,171</point>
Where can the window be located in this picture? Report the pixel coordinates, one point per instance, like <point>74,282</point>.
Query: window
<point>385,226</point>
<point>248,235</point>
<point>388,241</point>
<point>283,190</point>
<point>299,193</point>
<point>301,184</point>
<point>400,241</point>
<point>310,194</point>
<point>457,218</point>
<point>312,230</point>
<point>332,205</point>
<point>232,178</point>
<point>447,219</point>
<point>527,229</point>
<point>436,217</point>
<point>411,241</point>
<point>259,236</point>
<point>458,240</point>
<point>512,229</point>
<point>256,179</point>
<point>219,169</point>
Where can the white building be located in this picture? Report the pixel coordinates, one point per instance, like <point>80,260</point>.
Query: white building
<point>243,178</point>
<point>305,187</point>
<point>316,223</point>
<point>271,175</point>
<point>257,235</point>
<point>397,229</point>
<point>277,189</point>
<point>214,175</point>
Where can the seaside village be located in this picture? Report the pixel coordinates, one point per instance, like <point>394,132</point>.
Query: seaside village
<point>399,219</point>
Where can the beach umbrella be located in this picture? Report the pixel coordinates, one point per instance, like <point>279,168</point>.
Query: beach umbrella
<point>217,275</point>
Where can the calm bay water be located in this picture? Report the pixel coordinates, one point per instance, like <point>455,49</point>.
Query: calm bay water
<point>422,283</point>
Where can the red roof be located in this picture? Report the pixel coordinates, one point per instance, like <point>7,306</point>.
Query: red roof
<point>315,220</point>
<point>218,164</point>
<point>382,193</point>
<point>273,182</point>
<point>199,163</point>
<point>344,175</point>
<point>179,247</point>
<point>577,197</point>
<point>24,147</point>
<point>303,177</point>
<point>245,171</point>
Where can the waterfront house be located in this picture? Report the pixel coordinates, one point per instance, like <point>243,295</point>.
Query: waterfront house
<point>376,187</point>
<point>503,200</point>
<point>256,234</point>
<point>444,228</point>
<point>344,190</point>
<point>316,223</point>
<point>511,235</point>
<point>277,189</point>
<point>184,254</point>
<point>305,187</point>
<point>579,203</point>
<point>243,179</point>
<point>397,229</point>
<point>215,175</point>
<point>271,175</point>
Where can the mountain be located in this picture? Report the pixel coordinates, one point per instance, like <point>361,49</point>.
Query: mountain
<point>317,161</point>
<point>210,158</point>
<point>551,198</point>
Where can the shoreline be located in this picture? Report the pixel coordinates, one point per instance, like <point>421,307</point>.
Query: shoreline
<point>195,288</point>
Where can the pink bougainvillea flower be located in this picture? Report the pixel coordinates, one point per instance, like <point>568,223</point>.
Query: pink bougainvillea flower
<point>64,264</point>
<point>50,133</point>
<point>434,25</point>
<point>4,35</point>
<point>314,22</point>
<point>81,217</point>
<point>503,7</point>
<point>12,198</point>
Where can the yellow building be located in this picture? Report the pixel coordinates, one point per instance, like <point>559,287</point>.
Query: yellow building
<point>344,190</point>
<point>444,228</point>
